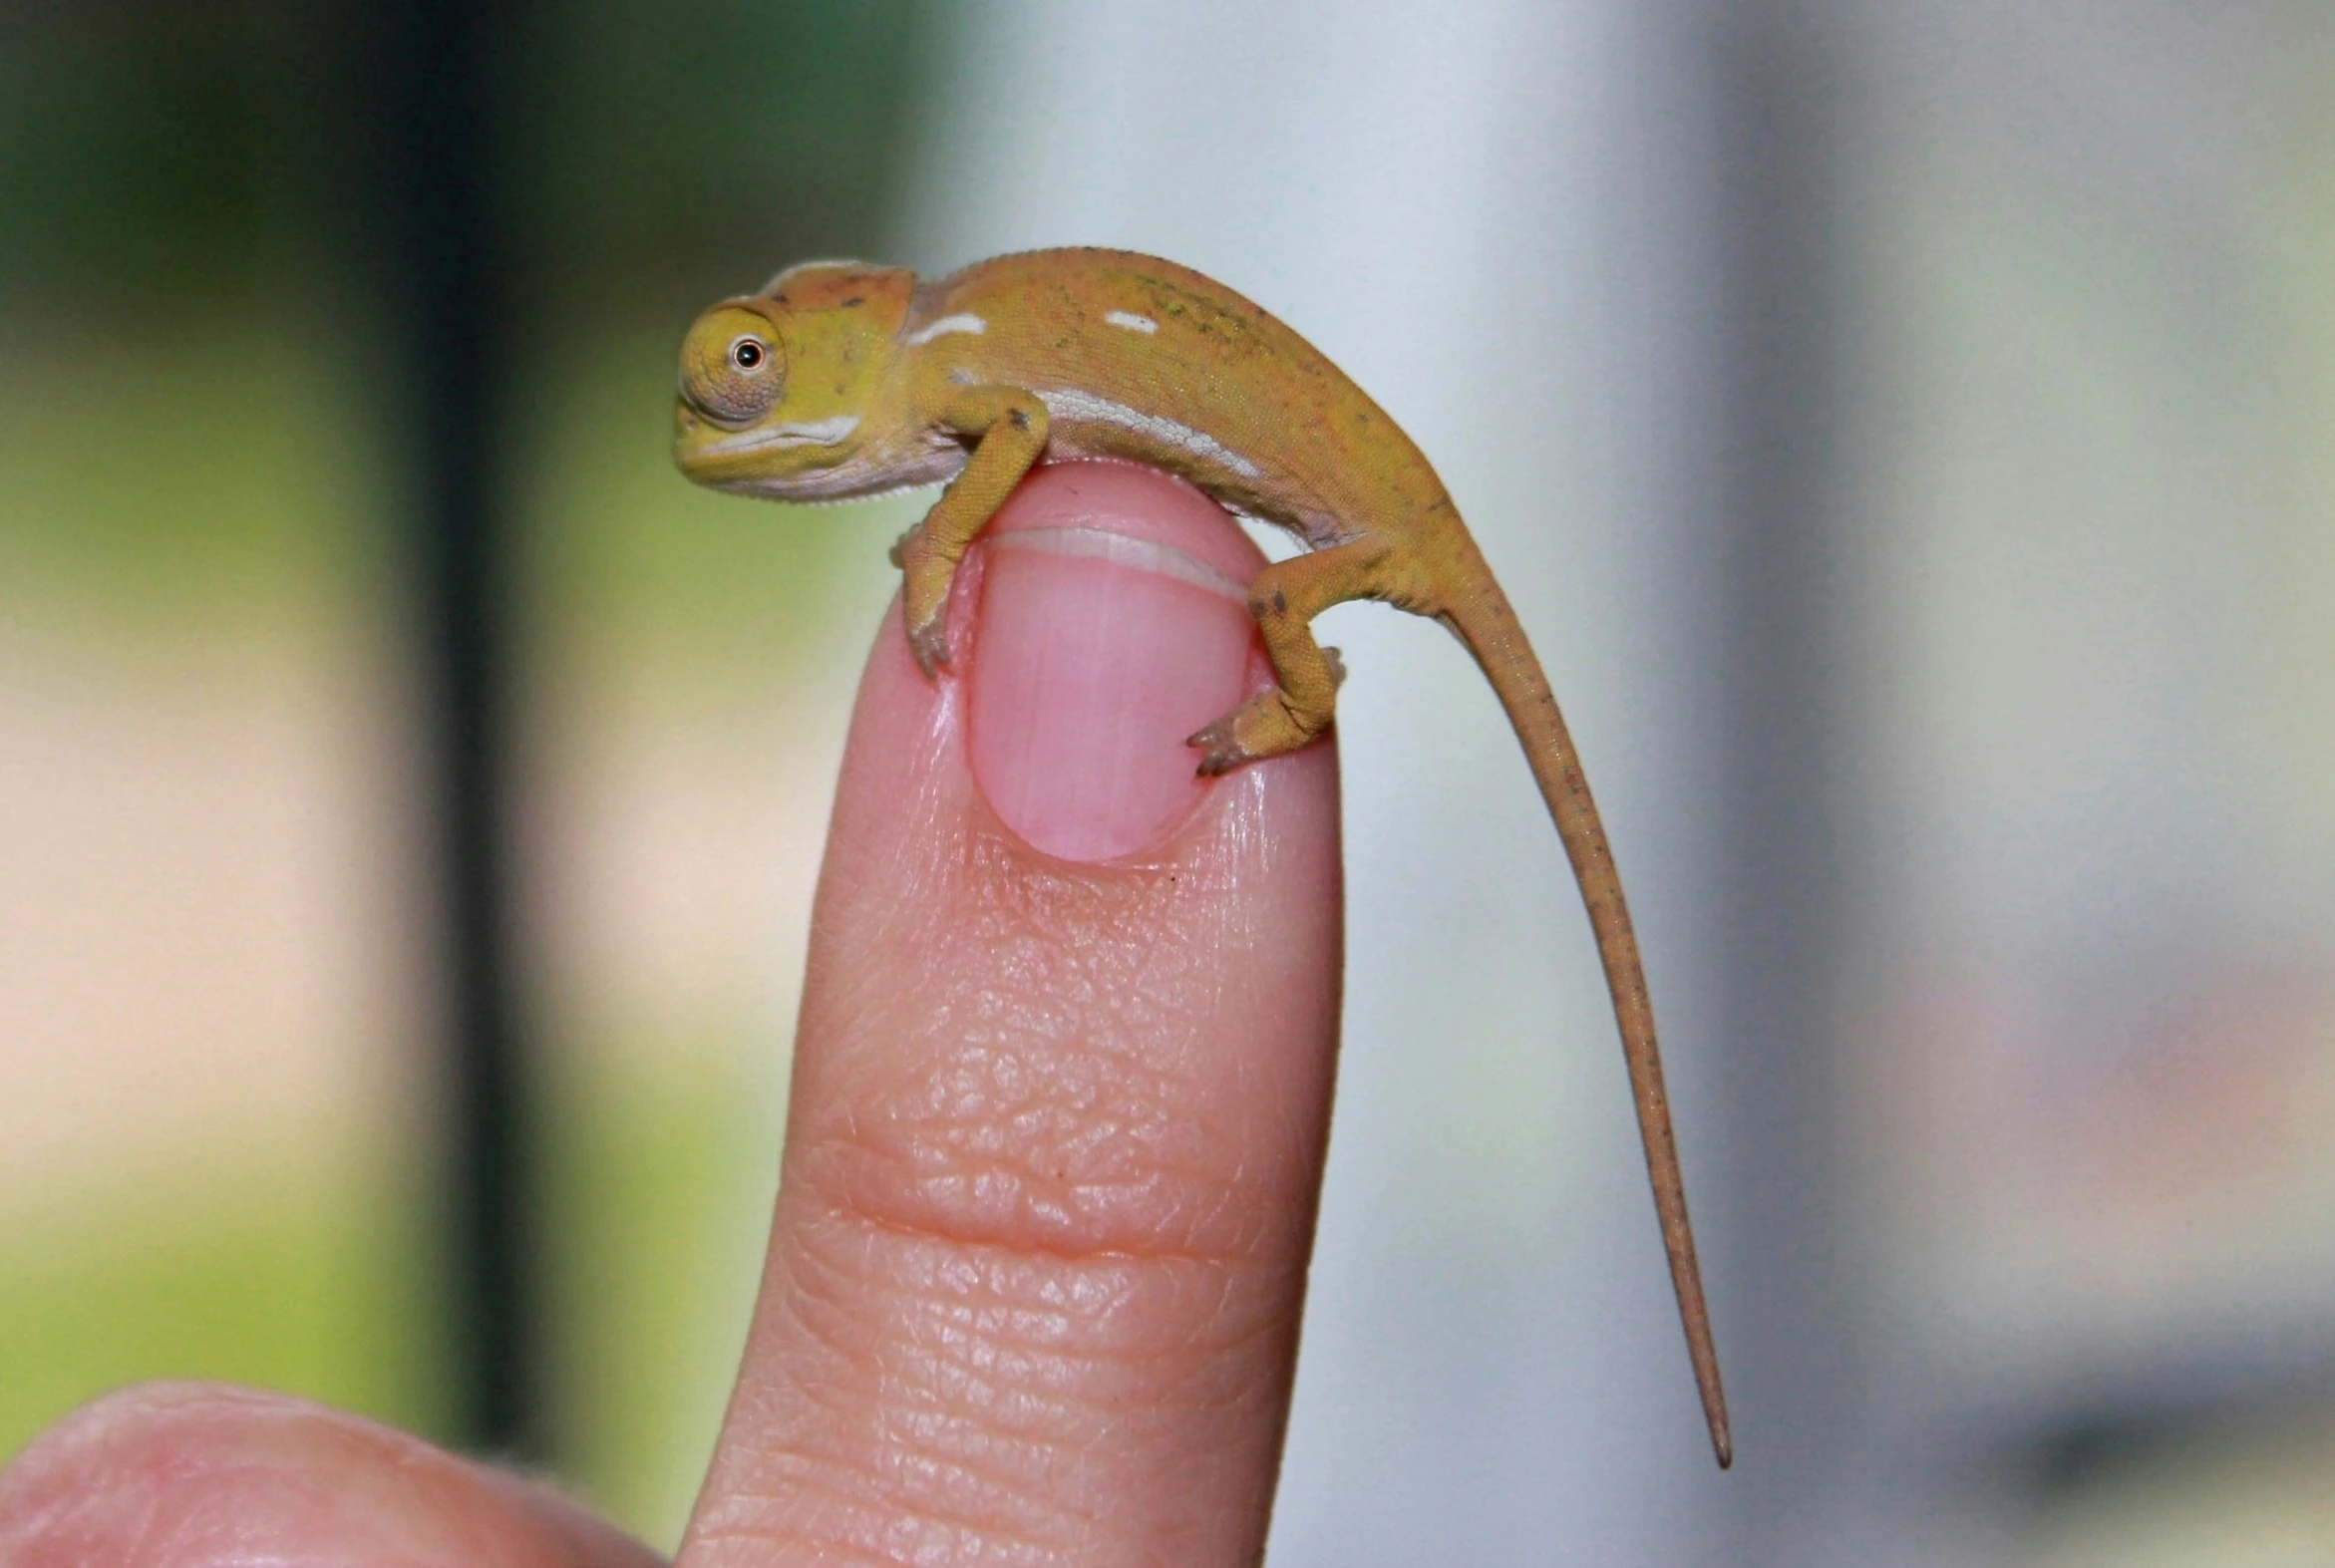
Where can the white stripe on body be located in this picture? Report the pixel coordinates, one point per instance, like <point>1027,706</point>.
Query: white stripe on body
<point>944,326</point>
<point>1076,405</point>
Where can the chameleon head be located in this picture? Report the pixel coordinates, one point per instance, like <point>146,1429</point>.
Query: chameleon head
<point>776,386</point>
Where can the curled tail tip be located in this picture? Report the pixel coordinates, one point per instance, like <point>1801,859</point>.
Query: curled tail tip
<point>1722,1433</point>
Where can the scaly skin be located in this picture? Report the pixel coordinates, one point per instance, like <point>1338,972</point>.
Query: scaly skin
<point>841,378</point>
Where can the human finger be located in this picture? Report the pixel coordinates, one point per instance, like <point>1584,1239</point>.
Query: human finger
<point>204,1475</point>
<point>1062,1079</point>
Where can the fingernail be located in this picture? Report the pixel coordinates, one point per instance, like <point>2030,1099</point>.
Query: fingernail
<point>1114,622</point>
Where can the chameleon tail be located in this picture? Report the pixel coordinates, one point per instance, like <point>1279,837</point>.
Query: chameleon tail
<point>1488,624</point>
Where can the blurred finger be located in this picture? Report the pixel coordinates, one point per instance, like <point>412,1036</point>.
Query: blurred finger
<point>200,1475</point>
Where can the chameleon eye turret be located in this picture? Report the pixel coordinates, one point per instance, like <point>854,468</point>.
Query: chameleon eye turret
<point>732,366</point>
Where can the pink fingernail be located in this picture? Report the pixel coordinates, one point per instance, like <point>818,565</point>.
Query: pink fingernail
<point>1114,622</point>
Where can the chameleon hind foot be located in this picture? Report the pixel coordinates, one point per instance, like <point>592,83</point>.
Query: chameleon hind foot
<point>1261,727</point>
<point>1284,598</point>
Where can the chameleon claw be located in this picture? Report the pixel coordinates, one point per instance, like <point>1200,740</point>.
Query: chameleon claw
<point>1221,751</point>
<point>1260,728</point>
<point>930,643</point>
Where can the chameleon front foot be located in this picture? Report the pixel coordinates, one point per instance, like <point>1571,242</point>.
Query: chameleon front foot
<point>925,577</point>
<point>930,643</point>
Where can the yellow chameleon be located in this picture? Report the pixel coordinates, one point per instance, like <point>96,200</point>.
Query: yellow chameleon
<point>841,378</point>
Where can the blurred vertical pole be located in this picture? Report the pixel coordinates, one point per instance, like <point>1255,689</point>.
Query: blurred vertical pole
<point>1781,78</point>
<point>429,68</point>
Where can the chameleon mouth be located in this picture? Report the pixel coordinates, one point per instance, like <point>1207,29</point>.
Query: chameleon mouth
<point>810,433</point>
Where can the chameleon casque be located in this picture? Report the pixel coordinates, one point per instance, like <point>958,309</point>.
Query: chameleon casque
<point>843,379</point>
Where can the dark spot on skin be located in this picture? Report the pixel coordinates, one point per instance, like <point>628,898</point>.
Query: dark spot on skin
<point>857,299</point>
<point>1280,602</point>
<point>1019,418</point>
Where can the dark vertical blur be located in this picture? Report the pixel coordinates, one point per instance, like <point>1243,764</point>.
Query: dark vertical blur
<point>437,98</point>
<point>482,227</point>
<point>534,170</point>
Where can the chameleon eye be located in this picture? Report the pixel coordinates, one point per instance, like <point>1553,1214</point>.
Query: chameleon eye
<point>733,368</point>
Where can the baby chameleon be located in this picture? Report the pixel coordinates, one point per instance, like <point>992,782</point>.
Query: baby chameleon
<point>841,378</point>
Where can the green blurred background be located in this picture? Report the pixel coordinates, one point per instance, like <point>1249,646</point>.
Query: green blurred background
<point>1906,426</point>
<point>218,1137</point>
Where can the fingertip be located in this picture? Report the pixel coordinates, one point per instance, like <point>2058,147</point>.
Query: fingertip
<point>1060,1102</point>
<point>1113,623</point>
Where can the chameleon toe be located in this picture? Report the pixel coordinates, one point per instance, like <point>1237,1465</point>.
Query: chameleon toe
<point>930,643</point>
<point>1220,751</point>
